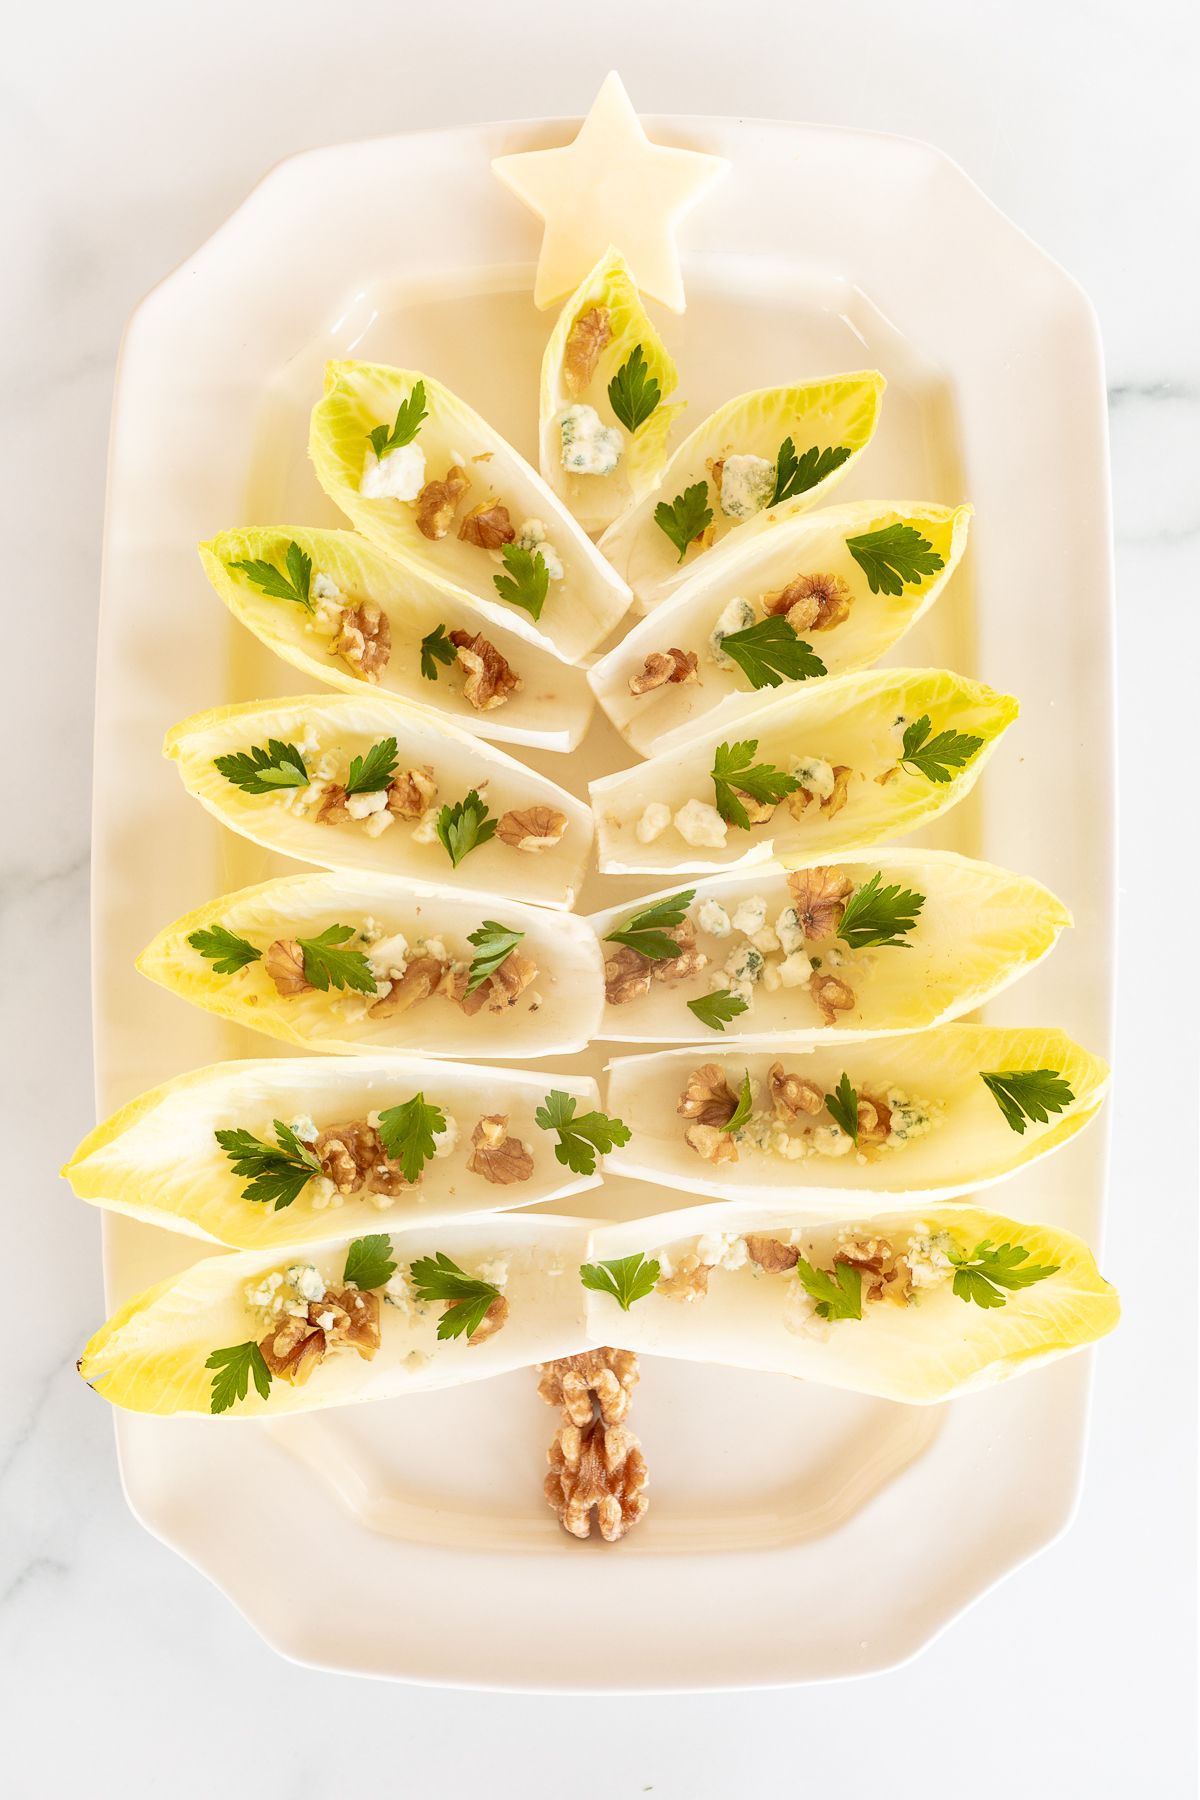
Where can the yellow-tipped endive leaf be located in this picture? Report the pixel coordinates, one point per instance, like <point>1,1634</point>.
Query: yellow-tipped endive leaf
<point>158,1158</point>
<point>151,1355</point>
<point>931,1348</point>
<point>947,1133</point>
<point>550,709</point>
<point>852,722</point>
<point>596,500</point>
<point>818,417</point>
<point>808,545</point>
<point>558,1011</point>
<point>978,929</point>
<point>329,731</point>
<point>580,609</point>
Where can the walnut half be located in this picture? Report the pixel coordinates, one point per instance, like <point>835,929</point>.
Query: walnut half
<point>496,1156</point>
<point>571,1382</point>
<point>597,1469</point>
<point>438,501</point>
<point>708,1097</point>
<point>819,897</point>
<point>284,963</point>
<point>489,677</point>
<point>365,639</point>
<point>588,336</point>
<point>532,829</point>
<point>487,525</point>
<point>663,667</point>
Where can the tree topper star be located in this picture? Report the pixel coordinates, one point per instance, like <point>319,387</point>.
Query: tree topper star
<point>612,186</point>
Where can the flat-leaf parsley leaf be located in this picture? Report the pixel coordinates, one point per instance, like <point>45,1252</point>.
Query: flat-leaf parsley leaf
<point>716,1010</point>
<point>259,771</point>
<point>735,768</point>
<point>436,648</point>
<point>224,949</point>
<point>409,417</point>
<point>838,1295</point>
<point>685,517</point>
<point>769,653</point>
<point>980,1276</point>
<point>626,1278</point>
<point>277,1171</point>
<point>579,1138</point>
<point>437,1278</point>
<point>407,1133</point>
<point>235,1365</point>
<point>369,1261</point>
<point>295,585</point>
<point>373,771</point>
<point>527,581</point>
<point>1023,1094</point>
<point>493,943</point>
<point>893,556</point>
<point>327,965</point>
<point>935,757</point>
<point>464,826</point>
<point>843,1107</point>
<point>646,932</point>
<point>796,474</point>
<point>878,915</point>
<point>633,393</point>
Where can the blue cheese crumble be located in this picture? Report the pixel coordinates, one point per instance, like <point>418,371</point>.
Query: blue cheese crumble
<point>400,475</point>
<point>747,483</point>
<point>737,616</point>
<point>589,446</point>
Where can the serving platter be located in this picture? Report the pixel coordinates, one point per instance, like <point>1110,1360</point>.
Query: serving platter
<point>775,1506</point>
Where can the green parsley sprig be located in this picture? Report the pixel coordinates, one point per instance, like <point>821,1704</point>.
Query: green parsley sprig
<point>278,1172</point>
<point>436,648</point>
<point>580,1138</point>
<point>407,1133</point>
<point>797,474</point>
<point>770,652</point>
<point>437,1278</point>
<point>1023,1094</point>
<point>842,1105</point>
<point>494,943</point>
<point>626,1278</point>
<point>234,1366</point>
<point>259,771</point>
<point>633,393</point>
<point>295,585</point>
<point>877,915</point>
<point>327,964</point>
<point>991,1267</point>
<point>646,931</point>
<point>464,826</point>
<point>686,517</point>
<point>838,1294</point>
<point>935,757</point>
<point>369,1261</point>
<point>373,771</point>
<point>894,556</point>
<point>716,1010</point>
<point>410,416</point>
<point>743,1109</point>
<point>224,949</point>
<point>734,767</point>
<point>527,580</point>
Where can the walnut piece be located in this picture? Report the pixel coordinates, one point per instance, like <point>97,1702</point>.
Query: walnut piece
<point>411,792</point>
<point>293,1347</point>
<point>770,1254</point>
<point>492,1321</point>
<point>819,897</point>
<point>496,1156</point>
<point>833,803</point>
<point>438,501</point>
<point>811,602</point>
<point>352,1157</point>
<point>284,963</point>
<point>661,667</point>
<point>791,1094</point>
<point>688,1280</point>
<point>423,976</point>
<point>333,809</point>
<point>689,961</point>
<point>571,1382</point>
<point>874,1120</point>
<point>627,975</point>
<point>757,811</point>
<point>588,336</point>
<point>831,995</point>
<point>710,1142</point>
<point>708,1098</point>
<point>503,987</point>
<point>885,1276</point>
<point>490,678</point>
<point>597,1468</point>
<point>533,828</point>
<point>365,639</point>
<point>487,525</point>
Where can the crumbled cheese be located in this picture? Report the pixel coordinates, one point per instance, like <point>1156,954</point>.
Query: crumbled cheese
<point>795,970</point>
<point>831,1140</point>
<point>307,1281</point>
<point>789,930</point>
<point>771,978</point>
<point>800,1313</point>
<point>927,1256</point>
<point>386,957</point>
<point>330,605</point>
<point>378,823</point>
<point>305,1129</point>
<point>736,617</point>
<point>751,915</point>
<point>745,963</point>
<point>432,946</point>
<point>425,829</point>
<point>653,822</point>
<point>495,1271</point>
<point>400,476</point>
<point>532,536</point>
<point>381,1202</point>
<point>370,931</point>
<point>589,446</point>
<point>815,776</point>
<point>712,917</point>
<point>909,1118</point>
<point>698,824</point>
<point>263,1293</point>
<point>722,1250</point>
<point>444,1141</point>
<point>747,483</point>
<point>396,1291</point>
<point>361,806</point>
<point>321,1191</point>
<point>765,940</point>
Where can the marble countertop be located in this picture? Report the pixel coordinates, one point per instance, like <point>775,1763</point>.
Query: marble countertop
<point>130,132</point>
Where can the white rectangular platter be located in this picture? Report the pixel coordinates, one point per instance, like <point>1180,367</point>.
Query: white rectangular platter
<point>794,1533</point>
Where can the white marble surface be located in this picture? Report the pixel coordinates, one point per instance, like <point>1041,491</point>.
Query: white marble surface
<point>129,132</point>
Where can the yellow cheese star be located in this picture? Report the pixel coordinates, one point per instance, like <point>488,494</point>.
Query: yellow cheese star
<point>610,188</point>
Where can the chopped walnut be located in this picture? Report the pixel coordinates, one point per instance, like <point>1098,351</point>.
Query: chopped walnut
<point>497,1157</point>
<point>708,1097</point>
<point>411,792</point>
<point>791,1094</point>
<point>757,811</point>
<point>770,1254</point>
<point>365,639</point>
<point>503,987</point>
<point>492,1321</point>
<point>688,1280</point>
<point>811,602</point>
<point>423,976</point>
<point>874,1121</point>
<point>293,1348</point>
<point>333,809</point>
<point>438,501</point>
<point>284,963</point>
<point>358,1323</point>
<point>597,1467</point>
<point>831,995</point>
<point>607,1374</point>
<point>627,975</point>
<point>487,525</point>
<point>887,775</point>
<point>352,1157</point>
<point>490,678</point>
<point>588,336</point>
<point>885,1276</point>
<point>689,960</point>
<point>533,828</point>
<point>834,802</point>
<point>661,667</point>
<point>819,897</point>
<point>710,1142</point>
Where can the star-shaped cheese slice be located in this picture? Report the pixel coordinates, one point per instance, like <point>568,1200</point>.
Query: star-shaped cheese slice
<point>611,187</point>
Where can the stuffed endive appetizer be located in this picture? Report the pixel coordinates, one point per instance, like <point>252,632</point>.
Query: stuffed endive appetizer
<point>331,604</point>
<point>938,1113</point>
<point>754,462</point>
<point>348,963</point>
<point>425,478</point>
<point>366,782</point>
<point>876,943</point>
<point>258,1335</point>
<point>606,378</point>
<point>809,776</point>
<point>919,1304</point>
<point>823,594</point>
<point>298,1150</point>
